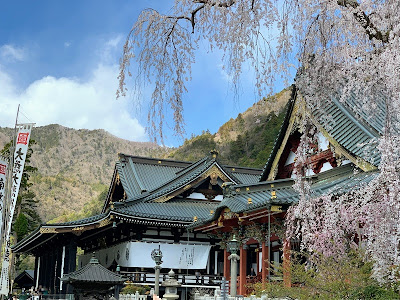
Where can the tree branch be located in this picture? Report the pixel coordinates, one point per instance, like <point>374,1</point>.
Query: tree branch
<point>371,30</point>
<point>203,3</point>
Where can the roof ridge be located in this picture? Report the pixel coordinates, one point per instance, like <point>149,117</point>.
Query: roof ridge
<point>153,159</point>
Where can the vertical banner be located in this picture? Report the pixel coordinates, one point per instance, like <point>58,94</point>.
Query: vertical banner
<point>21,148</point>
<point>3,176</point>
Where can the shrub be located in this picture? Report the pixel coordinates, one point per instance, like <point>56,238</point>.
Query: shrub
<point>133,288</point>
<point>328,278</point>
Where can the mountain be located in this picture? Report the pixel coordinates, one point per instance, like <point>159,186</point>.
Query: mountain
<point>246,140</point>
<point>74,166</point>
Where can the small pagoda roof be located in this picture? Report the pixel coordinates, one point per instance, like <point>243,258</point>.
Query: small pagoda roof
<point>93,272</point>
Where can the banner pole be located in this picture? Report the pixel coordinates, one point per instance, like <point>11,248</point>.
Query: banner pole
<point>19,156</point>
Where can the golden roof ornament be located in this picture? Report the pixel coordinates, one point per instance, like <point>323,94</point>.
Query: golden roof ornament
<point>214,153</point>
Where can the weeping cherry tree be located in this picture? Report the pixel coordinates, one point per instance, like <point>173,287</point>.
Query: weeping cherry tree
<point>336,48</point>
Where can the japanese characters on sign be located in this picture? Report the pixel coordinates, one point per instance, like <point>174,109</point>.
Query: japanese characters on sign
<point>21,149</point>
<point>3,176</point>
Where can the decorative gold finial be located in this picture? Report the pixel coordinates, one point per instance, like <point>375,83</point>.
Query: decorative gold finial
<point>214,153</point>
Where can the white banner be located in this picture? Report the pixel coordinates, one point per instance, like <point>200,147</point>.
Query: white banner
<point>21,148</point>
<point>138,254</point>
<point>3,176</point>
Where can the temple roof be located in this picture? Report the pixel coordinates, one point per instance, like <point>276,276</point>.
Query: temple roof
<point>182,179</point>
<point>164,198</point>
<point>144,176</point>
<point>343,122</point>
<point>141,174</point>
<point>248,198</point>
<point>177,210</point>
<point>352,130</point>
<point>94,272</point>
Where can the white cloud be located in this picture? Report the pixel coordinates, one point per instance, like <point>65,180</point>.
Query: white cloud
<point>13,53</point>
<point>110,49</point>
<point>71,102</point>
<point>67,44</point>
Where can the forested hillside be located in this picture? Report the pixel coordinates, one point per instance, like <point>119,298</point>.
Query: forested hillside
<point>244,141</point>
<point>74,167</point>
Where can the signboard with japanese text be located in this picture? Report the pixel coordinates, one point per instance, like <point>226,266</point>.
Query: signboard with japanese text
<point>21,149</point>
<point>3,176</point>
<point>137,254</point>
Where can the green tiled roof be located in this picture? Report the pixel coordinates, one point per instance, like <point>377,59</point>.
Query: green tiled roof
<point>336,181</point>
<point>345,122</point>
<point>343,184</point>
<point>351,131</point>
<point>140,174</point>
<point>89,220</point>
<point>246,176</point>
<point>94,272</point>
<point>182,179</point>
<point>174,210</point>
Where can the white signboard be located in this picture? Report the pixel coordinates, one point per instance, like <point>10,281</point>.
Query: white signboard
<point>3,174</point>
<point>21,148</point>
<point>138,254</point>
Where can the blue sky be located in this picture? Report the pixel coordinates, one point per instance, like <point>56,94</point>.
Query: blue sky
<point>59,60</point>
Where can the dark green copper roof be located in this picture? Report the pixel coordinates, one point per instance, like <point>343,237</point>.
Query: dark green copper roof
<point>141,176</point>
<point>336,181</point>
<point>94,272</point>
<point>350,129</point>
<point>183,178</point>
<point>85,221</point>
<point>177,210</point>
<point>345,122</point>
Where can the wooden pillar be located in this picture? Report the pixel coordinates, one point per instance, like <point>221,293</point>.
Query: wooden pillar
<point>52,275</point>
<point>70,263</point>
<point>242,270</point>
<point>258,255</point>
<point>264,263</point>
<point>287,281</point>
<point>227,265</point>
<point>37,272</point>
<point>58,271</point>
<point>42,270</point>
<point>46,270</point>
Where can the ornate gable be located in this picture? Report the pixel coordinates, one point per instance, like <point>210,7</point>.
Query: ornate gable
<point>336,142</point>
<point>208,183</point>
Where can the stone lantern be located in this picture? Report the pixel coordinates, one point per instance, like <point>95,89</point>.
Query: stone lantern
<point>156,255</point>
<point>171,286</point>
<point>233,248</point>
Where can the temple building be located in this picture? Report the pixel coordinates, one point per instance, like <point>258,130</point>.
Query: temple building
<point>190,211</point>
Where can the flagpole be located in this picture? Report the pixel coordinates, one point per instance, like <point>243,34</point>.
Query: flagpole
<point>11,166</point>
<point>6,238</point>
<point>17,162</point>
